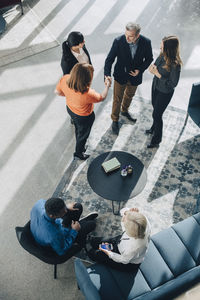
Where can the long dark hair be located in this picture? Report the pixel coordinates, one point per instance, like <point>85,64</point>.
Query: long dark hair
<point>171,52</point>
<point>75,38</point>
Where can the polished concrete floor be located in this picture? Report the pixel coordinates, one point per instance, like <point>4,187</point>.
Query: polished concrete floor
<point>36,138</point>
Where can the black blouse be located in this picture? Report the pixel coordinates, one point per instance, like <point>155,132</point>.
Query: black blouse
<point>68,59</point>
<point>169,79</point>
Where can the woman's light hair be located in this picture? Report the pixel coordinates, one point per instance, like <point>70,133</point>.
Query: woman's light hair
<point>133,27</point>
<point>135,224</point>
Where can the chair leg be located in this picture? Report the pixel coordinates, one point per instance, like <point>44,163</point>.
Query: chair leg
<point>183,128</point>
<point>113,209</point>
<point>55,271</point>
<point>22,11</point>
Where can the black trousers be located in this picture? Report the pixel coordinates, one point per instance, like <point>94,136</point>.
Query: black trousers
<point>160,102</point>
<point>86,226</point>
<point>83,125</point>
<point>72,215</point>
<point>100,257</point>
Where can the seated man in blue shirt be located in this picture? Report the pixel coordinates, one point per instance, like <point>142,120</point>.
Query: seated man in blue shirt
<point>56,225</point>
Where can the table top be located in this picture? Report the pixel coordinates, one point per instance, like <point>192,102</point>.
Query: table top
<point>113,186</point>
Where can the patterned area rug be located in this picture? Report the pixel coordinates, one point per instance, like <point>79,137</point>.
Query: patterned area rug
<point>25,35</point>
<point>172,192</point>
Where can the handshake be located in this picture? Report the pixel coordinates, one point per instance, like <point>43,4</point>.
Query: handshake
<point>108,81</point>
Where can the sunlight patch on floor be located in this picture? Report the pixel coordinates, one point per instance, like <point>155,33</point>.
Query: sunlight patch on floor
<point>133,6</point>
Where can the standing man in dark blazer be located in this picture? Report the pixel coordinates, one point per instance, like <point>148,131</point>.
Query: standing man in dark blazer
<point>134,55</point>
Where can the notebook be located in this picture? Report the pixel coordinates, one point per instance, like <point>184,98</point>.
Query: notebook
<point>111,164</point>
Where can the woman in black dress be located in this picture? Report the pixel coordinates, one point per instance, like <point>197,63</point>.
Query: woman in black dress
<point>74,51</point>
<point>166,71</point>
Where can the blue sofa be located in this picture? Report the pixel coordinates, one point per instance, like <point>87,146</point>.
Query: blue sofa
<point>170,267</point>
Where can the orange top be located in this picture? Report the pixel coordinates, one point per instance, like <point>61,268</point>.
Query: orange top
<point>80,104</point>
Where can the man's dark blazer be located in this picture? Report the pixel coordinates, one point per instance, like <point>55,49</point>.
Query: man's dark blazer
<point>68,59</point>
<point>120,49</point>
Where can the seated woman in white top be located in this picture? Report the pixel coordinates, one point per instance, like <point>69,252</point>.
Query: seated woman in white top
<point>126,251</point>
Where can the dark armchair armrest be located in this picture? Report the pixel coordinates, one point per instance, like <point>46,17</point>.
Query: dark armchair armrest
<point>6,3</point>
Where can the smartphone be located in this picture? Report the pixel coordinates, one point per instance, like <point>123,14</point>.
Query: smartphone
<point>108,247</point>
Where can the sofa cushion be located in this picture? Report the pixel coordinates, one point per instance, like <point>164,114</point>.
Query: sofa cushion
<point>131,284</point>
<point>189,233</point>
<point>174,287</point>
<point>84,281</point>
<point>102,278</point>
<point>173,251</point>
<point>155,276</point>
<point>197,217</point>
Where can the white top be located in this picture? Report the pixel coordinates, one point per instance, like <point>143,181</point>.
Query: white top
<point>131,250</point>
<point>81,57</point>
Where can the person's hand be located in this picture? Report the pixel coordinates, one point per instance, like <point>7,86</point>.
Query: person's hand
<point>108,81</point>
<point>70,206</point>
<point>153,69</point>
<point>76,225</point>
<point>134,209</point>
<point>104,250</point>
<point>59,93</point>
<point>134,73</point>
<point>131,209</point>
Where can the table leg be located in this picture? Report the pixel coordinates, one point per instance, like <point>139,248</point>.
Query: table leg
<point>113,208</point>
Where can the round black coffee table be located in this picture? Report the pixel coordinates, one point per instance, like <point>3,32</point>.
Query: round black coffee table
<point>113,186</point>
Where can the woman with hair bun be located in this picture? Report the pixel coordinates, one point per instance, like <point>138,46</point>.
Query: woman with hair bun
<point>166,71</point>
<point>74,51</point>
<point>126,251</point>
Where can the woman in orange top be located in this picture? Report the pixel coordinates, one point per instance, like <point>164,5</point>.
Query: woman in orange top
<point>80,99</point>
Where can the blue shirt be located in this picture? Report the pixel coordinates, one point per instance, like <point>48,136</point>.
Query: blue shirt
<point>50,232</point>
<point>133,48</point>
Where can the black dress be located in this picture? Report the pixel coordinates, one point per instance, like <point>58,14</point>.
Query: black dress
<point>68,59</point>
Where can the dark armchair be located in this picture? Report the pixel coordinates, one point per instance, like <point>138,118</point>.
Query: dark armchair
<point>45,254</point>
<point>194,103</point>
<point>6,3</point>
<point>193,108</point>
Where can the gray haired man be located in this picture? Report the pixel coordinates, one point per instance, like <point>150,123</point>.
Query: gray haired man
<point>134,55</point>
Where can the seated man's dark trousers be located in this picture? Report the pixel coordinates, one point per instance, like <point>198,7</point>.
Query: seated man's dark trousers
<point>86,225</point>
